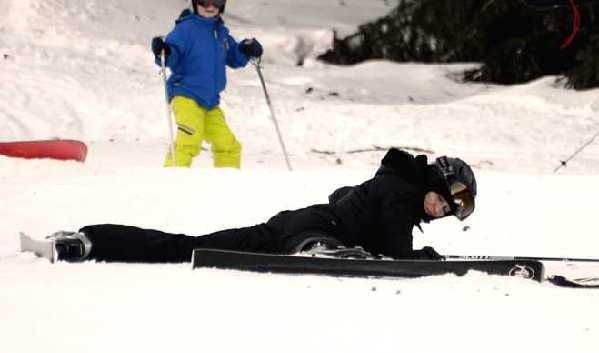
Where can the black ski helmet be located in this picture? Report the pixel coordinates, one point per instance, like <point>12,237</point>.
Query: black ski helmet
<point>218,3</point>
<point>461,185</point>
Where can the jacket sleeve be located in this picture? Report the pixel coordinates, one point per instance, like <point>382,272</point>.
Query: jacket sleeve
<point>397,212</point>
<point>176,41</point>
<point>235,58</point>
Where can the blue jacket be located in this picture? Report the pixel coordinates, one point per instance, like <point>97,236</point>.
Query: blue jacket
<point>200,49</point>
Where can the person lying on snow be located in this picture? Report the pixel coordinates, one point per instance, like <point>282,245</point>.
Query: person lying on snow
<point>377,215</point>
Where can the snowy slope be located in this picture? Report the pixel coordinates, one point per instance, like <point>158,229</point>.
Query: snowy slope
<point>82,69</point>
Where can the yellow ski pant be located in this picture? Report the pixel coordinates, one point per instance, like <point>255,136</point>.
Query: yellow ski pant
<point>196,124</point>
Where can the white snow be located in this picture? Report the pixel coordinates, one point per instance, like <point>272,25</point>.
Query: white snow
<point>83,70</point>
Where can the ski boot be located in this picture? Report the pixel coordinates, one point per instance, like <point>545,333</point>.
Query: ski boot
<point>341,252</point>
<point>70,246</point>
<point>323,246</point>
<point>315,243</point>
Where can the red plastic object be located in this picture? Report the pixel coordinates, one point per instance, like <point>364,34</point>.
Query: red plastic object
<point>55,149</point>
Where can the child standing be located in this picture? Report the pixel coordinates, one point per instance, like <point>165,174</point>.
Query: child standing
<point>197,51</point>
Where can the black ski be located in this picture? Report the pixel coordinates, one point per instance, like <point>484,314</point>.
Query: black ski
<point>518,258</point>
<point>297,264</point>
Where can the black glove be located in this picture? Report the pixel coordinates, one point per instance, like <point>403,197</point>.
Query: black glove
<point>251,48</point>
<point>428,253</point>
<point>158,45</point>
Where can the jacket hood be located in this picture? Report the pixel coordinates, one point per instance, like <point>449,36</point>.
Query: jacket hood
<point>411,169</point>
<point>416,171</point>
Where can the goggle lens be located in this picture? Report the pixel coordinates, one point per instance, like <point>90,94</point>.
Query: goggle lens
<point>463,201</point>
<point>215,3</point>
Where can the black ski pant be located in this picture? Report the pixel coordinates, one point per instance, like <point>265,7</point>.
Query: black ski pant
<point>282,234</point>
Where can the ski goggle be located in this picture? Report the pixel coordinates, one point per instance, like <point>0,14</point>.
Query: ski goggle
<point>463,201</point>
<point>215,3</point>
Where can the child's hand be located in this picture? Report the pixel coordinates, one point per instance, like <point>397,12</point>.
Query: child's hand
<point>158,45</point>
<point>251,48</point>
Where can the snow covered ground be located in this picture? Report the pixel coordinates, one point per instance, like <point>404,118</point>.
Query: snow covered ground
<point>83,70</point>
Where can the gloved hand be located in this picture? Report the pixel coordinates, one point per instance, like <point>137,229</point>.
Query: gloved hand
<point>251,48</point>
<point>158,45</point>
<point>428,253</point>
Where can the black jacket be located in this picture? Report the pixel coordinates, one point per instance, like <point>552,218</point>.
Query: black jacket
<point>380,214</point>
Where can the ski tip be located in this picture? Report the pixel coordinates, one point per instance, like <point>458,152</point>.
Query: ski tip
<point>561,281</point>
<point>43,249</point>
<point>23,238</point>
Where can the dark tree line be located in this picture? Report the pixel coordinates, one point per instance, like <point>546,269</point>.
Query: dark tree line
<point>515,40</point>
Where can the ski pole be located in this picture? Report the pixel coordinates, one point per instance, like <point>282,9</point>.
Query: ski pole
<point>519,258</point>
<point>168,108</point>
<point>580,149</point>
<point>257,64</point>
